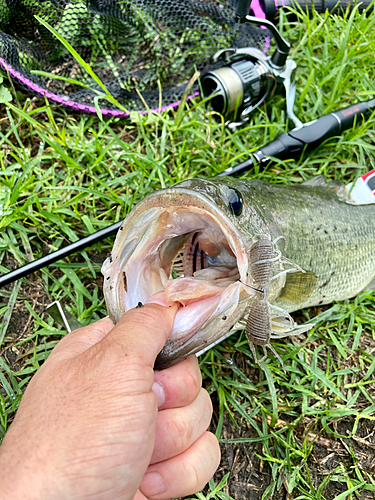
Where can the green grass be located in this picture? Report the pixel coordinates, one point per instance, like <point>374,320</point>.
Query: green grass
<point>64,176</point>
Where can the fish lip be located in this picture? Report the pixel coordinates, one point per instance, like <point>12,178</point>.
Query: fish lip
<point>178,197</point>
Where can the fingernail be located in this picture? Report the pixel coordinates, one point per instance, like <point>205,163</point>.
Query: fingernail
<point>152,484</point>
<point>159,392</point>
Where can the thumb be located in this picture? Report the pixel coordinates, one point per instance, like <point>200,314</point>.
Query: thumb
<point>142,332</point>
<point>80,340</point>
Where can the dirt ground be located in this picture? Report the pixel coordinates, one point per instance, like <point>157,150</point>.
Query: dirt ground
<point>250,476</point>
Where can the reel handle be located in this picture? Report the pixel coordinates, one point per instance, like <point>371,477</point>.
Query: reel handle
<point>280,56</point>
<point>243,9</point>
<point>270,7</point>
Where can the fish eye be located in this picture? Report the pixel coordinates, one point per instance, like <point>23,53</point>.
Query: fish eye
<point>235,201</point>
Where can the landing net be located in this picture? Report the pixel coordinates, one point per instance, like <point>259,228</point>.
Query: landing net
<point>144,51</point>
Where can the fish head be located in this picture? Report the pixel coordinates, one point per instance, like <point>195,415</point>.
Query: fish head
<point>192,243</point>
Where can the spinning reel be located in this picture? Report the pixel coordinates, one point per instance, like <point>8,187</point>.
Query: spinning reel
<point>248,77</point>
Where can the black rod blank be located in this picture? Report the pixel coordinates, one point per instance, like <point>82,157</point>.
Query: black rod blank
<point>77,246</point>
<point>72,248</point>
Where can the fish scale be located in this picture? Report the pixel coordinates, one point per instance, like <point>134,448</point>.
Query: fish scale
<point>327,237</point>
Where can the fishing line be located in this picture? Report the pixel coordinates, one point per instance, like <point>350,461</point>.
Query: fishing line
<point>253,287</point>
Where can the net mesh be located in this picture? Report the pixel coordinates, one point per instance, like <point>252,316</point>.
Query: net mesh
<point>143,51</point>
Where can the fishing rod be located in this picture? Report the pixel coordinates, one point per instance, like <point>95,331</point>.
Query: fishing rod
<point>288,145</point>
<point>293,144</point>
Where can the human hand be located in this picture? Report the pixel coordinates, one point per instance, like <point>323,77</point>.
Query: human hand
<point>96,422</point>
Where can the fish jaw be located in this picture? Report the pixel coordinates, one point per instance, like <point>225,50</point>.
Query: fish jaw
<point>212,298</point>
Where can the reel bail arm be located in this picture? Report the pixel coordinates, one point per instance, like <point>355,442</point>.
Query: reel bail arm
<point>248,77</point>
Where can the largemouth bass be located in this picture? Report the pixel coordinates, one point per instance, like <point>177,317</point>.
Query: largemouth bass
<point>194,242</point>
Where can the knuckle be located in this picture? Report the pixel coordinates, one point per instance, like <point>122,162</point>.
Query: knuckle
<point>207,403</point>
<point>180,433</point>
<point>215,452</point>
<point>197,478</point>
<point>201,466</point>
<point>187,427</point>
<point>193,382</point>
<point>208,462</point>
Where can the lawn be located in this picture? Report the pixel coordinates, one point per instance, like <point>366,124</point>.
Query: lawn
<point>306,433</point>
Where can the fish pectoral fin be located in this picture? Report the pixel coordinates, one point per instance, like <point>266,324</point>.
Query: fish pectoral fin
<point>371,285</point>
<point>298,286</point>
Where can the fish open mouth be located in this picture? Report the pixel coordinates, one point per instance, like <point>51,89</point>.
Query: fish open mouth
<point>187,248</point>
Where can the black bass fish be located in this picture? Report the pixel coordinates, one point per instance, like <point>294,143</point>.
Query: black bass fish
<point>204,244</point>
